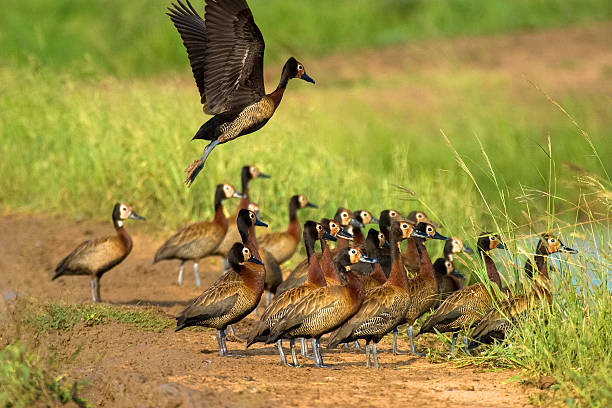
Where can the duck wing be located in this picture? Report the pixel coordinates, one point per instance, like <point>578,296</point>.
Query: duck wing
<point>233,60</point>
<point>89,256</point>
<point>192,30</point>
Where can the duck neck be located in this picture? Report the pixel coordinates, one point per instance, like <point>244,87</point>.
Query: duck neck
<point>294,228</point>
<point>277,94</point>
<point>541,262</point>
<point>328,265</point>
<point>378,274</point>
<point>219,214</point>
<point>358,237</point>
<point>397,276</point>
<point>245,200</point>
<point>412,253</point>
<point>492,272</point>
<point>123,235</point>
<point>251,243</point>
<point>356,289</point>
<point>426,269</point>
<point>315,273</point>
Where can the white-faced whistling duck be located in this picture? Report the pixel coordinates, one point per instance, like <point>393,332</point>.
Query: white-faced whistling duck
<point>227,302</point>
<point>410,256</point>
<point>383,307</point>
<point>95,257</point>
<point>498,321</point>
<point>449,279</point>
<point>385,219</point>
<point>282,245</point>
<point>313,231</point>
<point>247,174</point>
<point>198,240</point>
<point>324,309</point>
<point>466,307</point>
<point>423,288</point>
<point>362,217</point>
<point>346,219</point>
<point>297,276</point>
<point>226,52</point>
<point>372,274</point>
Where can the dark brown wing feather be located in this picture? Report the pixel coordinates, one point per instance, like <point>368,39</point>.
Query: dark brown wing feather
<point>192,29</point>
<point>233,57</point>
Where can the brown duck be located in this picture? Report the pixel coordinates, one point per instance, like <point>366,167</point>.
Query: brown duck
<point>448,278</point>
<point>385,219</point>
<point>247,174</point>
<point>423,288</point>
<point>198,240</point>
<point>383,307</point>
<point>226,52</point>
<point>466,307</point>
<point>410,256</point>
<point>324,309</point>
<point>498,321</point>
<point>297,276</point>
<point>348,222</point>
<point>362,218</point>
<point>227,301</point>
<point>372,274</point>
<point>313,231</point>
<point>97,256</point>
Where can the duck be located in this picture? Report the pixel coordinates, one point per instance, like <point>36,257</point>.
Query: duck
<point>423,288</point>
<point>362,217</point>
<point>324,309</point>
<point>372,274</point>
<point>384,306</point>
<point>449,279</point>
<point>466,307</point>
<point>200,239</point>
<point>297,276</point>
<point>410,256</point>
<point>97,256</point>
<point>227,301</point>
<point>498,321</point>
<point>226,50</point>
<point>312,232</point>
<point>385,219</point>
<point>282,245</point>
<point>247,173</point>
<point>348,222</point>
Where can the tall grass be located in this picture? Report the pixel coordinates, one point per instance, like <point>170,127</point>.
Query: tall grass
<point>136,38</point>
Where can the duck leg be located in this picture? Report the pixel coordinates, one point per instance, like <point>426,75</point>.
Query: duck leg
<point>220,342</point>
<point>281,353</point>
<point>194,168</point>
<point>367,350</point>
<point>315,353</point>
<point>451,353</point>
<point>412,348</point>
<point>395,349</point>
<point>466,344</point>
<point>375,353</point>
<point>92,283</point>
<point>223,350</point>
<point>357,345</point>
<point>268,298</point>
<point>317,344</point>
<point>181,270</point>
<point>99,298</point>
<point>293,353</point>
<point>196,272</point>
<point>304,351</point>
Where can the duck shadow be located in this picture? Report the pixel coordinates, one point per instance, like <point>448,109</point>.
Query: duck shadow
<point>157,303</point>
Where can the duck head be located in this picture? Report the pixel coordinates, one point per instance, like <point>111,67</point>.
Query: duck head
<point>239,255</point>
<point>552,244</point>
<point>246,219</point>
<point>346,217</point>
<point>334,229</point>
<point>254,208</point>
<point>488,241</point>
<point>365,217</point>
<point>349,256</point>
<point>295,69</point>
<point>122,212</point>
<point>456,246</point>
<point>430,231</point>
<point>385,220</point>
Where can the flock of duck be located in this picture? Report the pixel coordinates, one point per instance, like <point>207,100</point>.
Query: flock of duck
<point>362,289</point>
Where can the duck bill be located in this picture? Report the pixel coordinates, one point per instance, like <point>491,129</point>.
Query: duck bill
<point>135,216</point>
<point>568,250</point>
<point>458,274</point>
<point>375,220</point>
<point>440,237</point>
<point>255,260</point>
<point>306,78</point>
<point>343,234</point>
<point>467,250</point>
<point>386,244</point>
<point>329,237</point>
<point>311,205</point>
<point>366,259</point>
<point>260,223</point>
<point>263,175</point>
<point>419,234</point>
<point>238,195</point>
<point>356,223</point>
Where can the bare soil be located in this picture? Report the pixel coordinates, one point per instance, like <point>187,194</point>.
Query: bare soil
<point>129,367</point>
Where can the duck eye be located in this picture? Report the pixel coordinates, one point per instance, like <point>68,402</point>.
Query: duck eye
<point>300,67</point>
<point>552,241</point>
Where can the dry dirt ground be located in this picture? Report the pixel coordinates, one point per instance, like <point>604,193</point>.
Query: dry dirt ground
<point>130,367</point>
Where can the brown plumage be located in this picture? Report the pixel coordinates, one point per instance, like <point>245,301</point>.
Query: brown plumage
<point>324,309</point>
<point>226,52</point>
<point>372,274</point>
<point>282,303</point>
<point>384,306</point>
<point>466,307</point>
<point>282,245</point>
<point>95,257</point>
<point>385,219</point>
<point>498,321</point>
<point>297,276</point>
<point>362,218</point>
<point>198,240</point>
<point>227,301</point>
<point>348,222</point>
<point>410,256</point>
<point>232,235</point>
<point>448,279</point>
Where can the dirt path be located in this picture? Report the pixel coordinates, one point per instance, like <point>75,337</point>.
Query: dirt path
<point>130,367</point>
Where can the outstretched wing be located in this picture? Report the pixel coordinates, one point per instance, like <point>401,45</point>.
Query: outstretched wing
<point>192,29</point>
<point>233,56</point>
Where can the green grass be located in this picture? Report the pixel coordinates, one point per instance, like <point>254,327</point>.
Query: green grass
<point>65,317</point>
<point>29,381</point>
<point>136,38</point>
